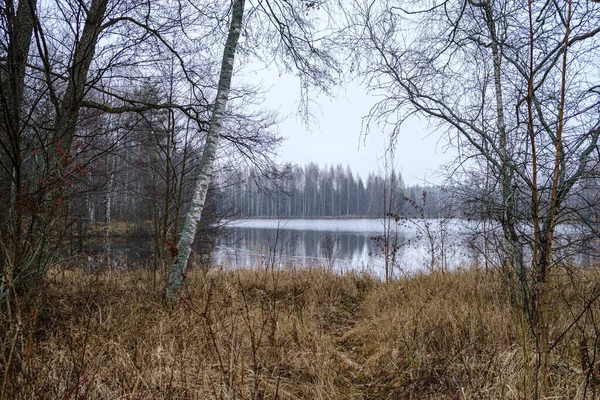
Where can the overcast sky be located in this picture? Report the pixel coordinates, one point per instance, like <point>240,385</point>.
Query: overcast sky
<point>334,135</point>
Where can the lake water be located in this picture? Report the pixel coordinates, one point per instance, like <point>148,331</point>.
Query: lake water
<point>347,244</point>
<point>341,244</point>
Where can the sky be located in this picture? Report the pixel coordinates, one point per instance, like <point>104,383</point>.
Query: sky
<point>334,134</point>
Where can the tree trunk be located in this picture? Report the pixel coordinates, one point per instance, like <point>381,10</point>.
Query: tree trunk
<point>85,49</point>
<point>542,307</point>
<point>107,217</point>
<point>176,274</point>
<point>515,256</point>
<point>20,29</point>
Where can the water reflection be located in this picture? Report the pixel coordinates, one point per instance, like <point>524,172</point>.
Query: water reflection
<point>338,244</point>
<point>242,246</point>
<point>346,244</point>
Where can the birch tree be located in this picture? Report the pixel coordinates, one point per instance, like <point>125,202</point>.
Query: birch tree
<point>176,275</point>
<point>512,84</point>
<point>56,59</point>
<point>298,48</point>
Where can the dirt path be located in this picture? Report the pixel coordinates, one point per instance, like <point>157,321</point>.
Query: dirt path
<point>339,324</point>
<point>357,376</point>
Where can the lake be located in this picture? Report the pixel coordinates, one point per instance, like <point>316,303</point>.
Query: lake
<point>341,244</point>
<point>347,244</point>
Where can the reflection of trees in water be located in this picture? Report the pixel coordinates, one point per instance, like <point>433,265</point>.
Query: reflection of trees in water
<point>263,246</point>
<point>352,249</point>
<point>247,246</point>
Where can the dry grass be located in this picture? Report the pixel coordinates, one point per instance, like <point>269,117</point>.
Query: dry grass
<point>302,334</point>
<point>119,229</point>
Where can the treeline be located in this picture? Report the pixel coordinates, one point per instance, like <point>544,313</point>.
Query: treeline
<point>314,191</point>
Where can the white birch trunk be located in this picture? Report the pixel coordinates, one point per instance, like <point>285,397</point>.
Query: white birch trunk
<point>177,272</point>
<point>91,211</point>
<point>515,256</point>
<point>107,200</point>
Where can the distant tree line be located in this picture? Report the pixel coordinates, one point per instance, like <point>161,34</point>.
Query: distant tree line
<point>314,191</point>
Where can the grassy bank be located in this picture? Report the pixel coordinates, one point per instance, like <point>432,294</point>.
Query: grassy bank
<point>306,334</point>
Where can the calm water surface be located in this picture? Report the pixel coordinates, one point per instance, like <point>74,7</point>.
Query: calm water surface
<point>341,244</point>
<point>344,244</point>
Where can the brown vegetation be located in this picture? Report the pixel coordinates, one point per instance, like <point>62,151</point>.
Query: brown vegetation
<point>298,334</point>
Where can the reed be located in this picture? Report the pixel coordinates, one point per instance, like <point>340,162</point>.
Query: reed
<point>299,333</point>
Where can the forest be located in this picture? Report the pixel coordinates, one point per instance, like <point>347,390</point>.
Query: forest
<point>312,191</point>
<point>128,119</point>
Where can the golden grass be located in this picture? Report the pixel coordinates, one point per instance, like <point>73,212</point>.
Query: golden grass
<point>301,334</point>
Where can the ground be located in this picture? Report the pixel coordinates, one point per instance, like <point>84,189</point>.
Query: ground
<point>297,334</point>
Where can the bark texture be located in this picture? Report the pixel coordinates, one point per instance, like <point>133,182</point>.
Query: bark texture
<point>20,25</point>
<point>177,271</point>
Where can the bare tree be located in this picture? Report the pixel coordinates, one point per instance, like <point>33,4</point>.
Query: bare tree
<point>299,47</point>
<point>512,84</point>
<point>51,62</point>
<point>391,241</point>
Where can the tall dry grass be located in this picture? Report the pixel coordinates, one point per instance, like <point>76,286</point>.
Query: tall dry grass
<point>300,334</point>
